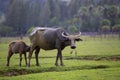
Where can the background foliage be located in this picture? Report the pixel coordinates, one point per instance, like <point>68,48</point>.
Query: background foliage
<point>84,15</point>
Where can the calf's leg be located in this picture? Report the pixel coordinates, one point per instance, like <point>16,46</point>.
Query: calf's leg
<point>25,58</point>
<point>8,57</point>
<point>20,58</point>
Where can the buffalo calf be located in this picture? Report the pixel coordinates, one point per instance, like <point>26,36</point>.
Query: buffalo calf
<point>17,47</point>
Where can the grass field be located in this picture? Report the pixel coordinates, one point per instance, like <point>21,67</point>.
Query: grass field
<point>96,59</point>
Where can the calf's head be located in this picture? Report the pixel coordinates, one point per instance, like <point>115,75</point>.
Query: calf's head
<point>71,39</point>
<point>27,48</point>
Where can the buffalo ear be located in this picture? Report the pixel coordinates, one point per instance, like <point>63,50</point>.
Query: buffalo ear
<point>78,39</point>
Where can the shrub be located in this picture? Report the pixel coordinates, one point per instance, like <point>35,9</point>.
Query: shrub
<point>116,28</point>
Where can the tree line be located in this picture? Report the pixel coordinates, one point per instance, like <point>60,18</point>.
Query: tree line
<point>73,15</point>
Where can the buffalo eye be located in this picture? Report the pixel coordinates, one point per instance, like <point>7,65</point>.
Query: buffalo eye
<point>78,39</point>
<point>66,39</point>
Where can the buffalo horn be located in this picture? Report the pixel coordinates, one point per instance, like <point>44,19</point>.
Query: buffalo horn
<point>64,35</point>
<point>78,35</point>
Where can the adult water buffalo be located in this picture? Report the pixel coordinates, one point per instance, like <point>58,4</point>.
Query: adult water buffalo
<point>49,39</point>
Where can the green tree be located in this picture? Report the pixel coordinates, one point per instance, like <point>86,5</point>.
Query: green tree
<point>116,28</point>
<point>74,6</point>
<point>105,29</point>
<point>5,30</point>
<point>33,13</point>
<point>30,29</point>
<point>106,22</point>
<point>72,29</point>
<point>111,12</point>
<point>16,16</point>
<point>45,13</point>
<point>55,12</point>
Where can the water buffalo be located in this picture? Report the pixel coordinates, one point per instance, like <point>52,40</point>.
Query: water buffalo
<point>17,47</point>
<point>49,39</point>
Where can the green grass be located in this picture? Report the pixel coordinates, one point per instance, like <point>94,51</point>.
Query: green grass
<point>99,74</point>
<point>96,59</point>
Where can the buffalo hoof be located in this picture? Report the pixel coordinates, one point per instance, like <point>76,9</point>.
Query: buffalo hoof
<point>62,64</point>
<point>56,64</point>
<point>7,64</point>
<point>37,64</point>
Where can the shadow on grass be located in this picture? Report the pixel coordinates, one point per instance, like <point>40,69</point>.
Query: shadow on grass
<point>17,72</point>
<point>95,57</point>
<point>89,57</point>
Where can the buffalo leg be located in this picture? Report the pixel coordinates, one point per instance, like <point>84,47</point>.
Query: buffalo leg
<point>29,58</point>
<point>61,62</point>
<point>30,55</point>
<point>8,57</point>
<point>59,55</point>
<point>36,55</point>
<point>20,58</point>
<point>56,63</point>
<point>25,58</point>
